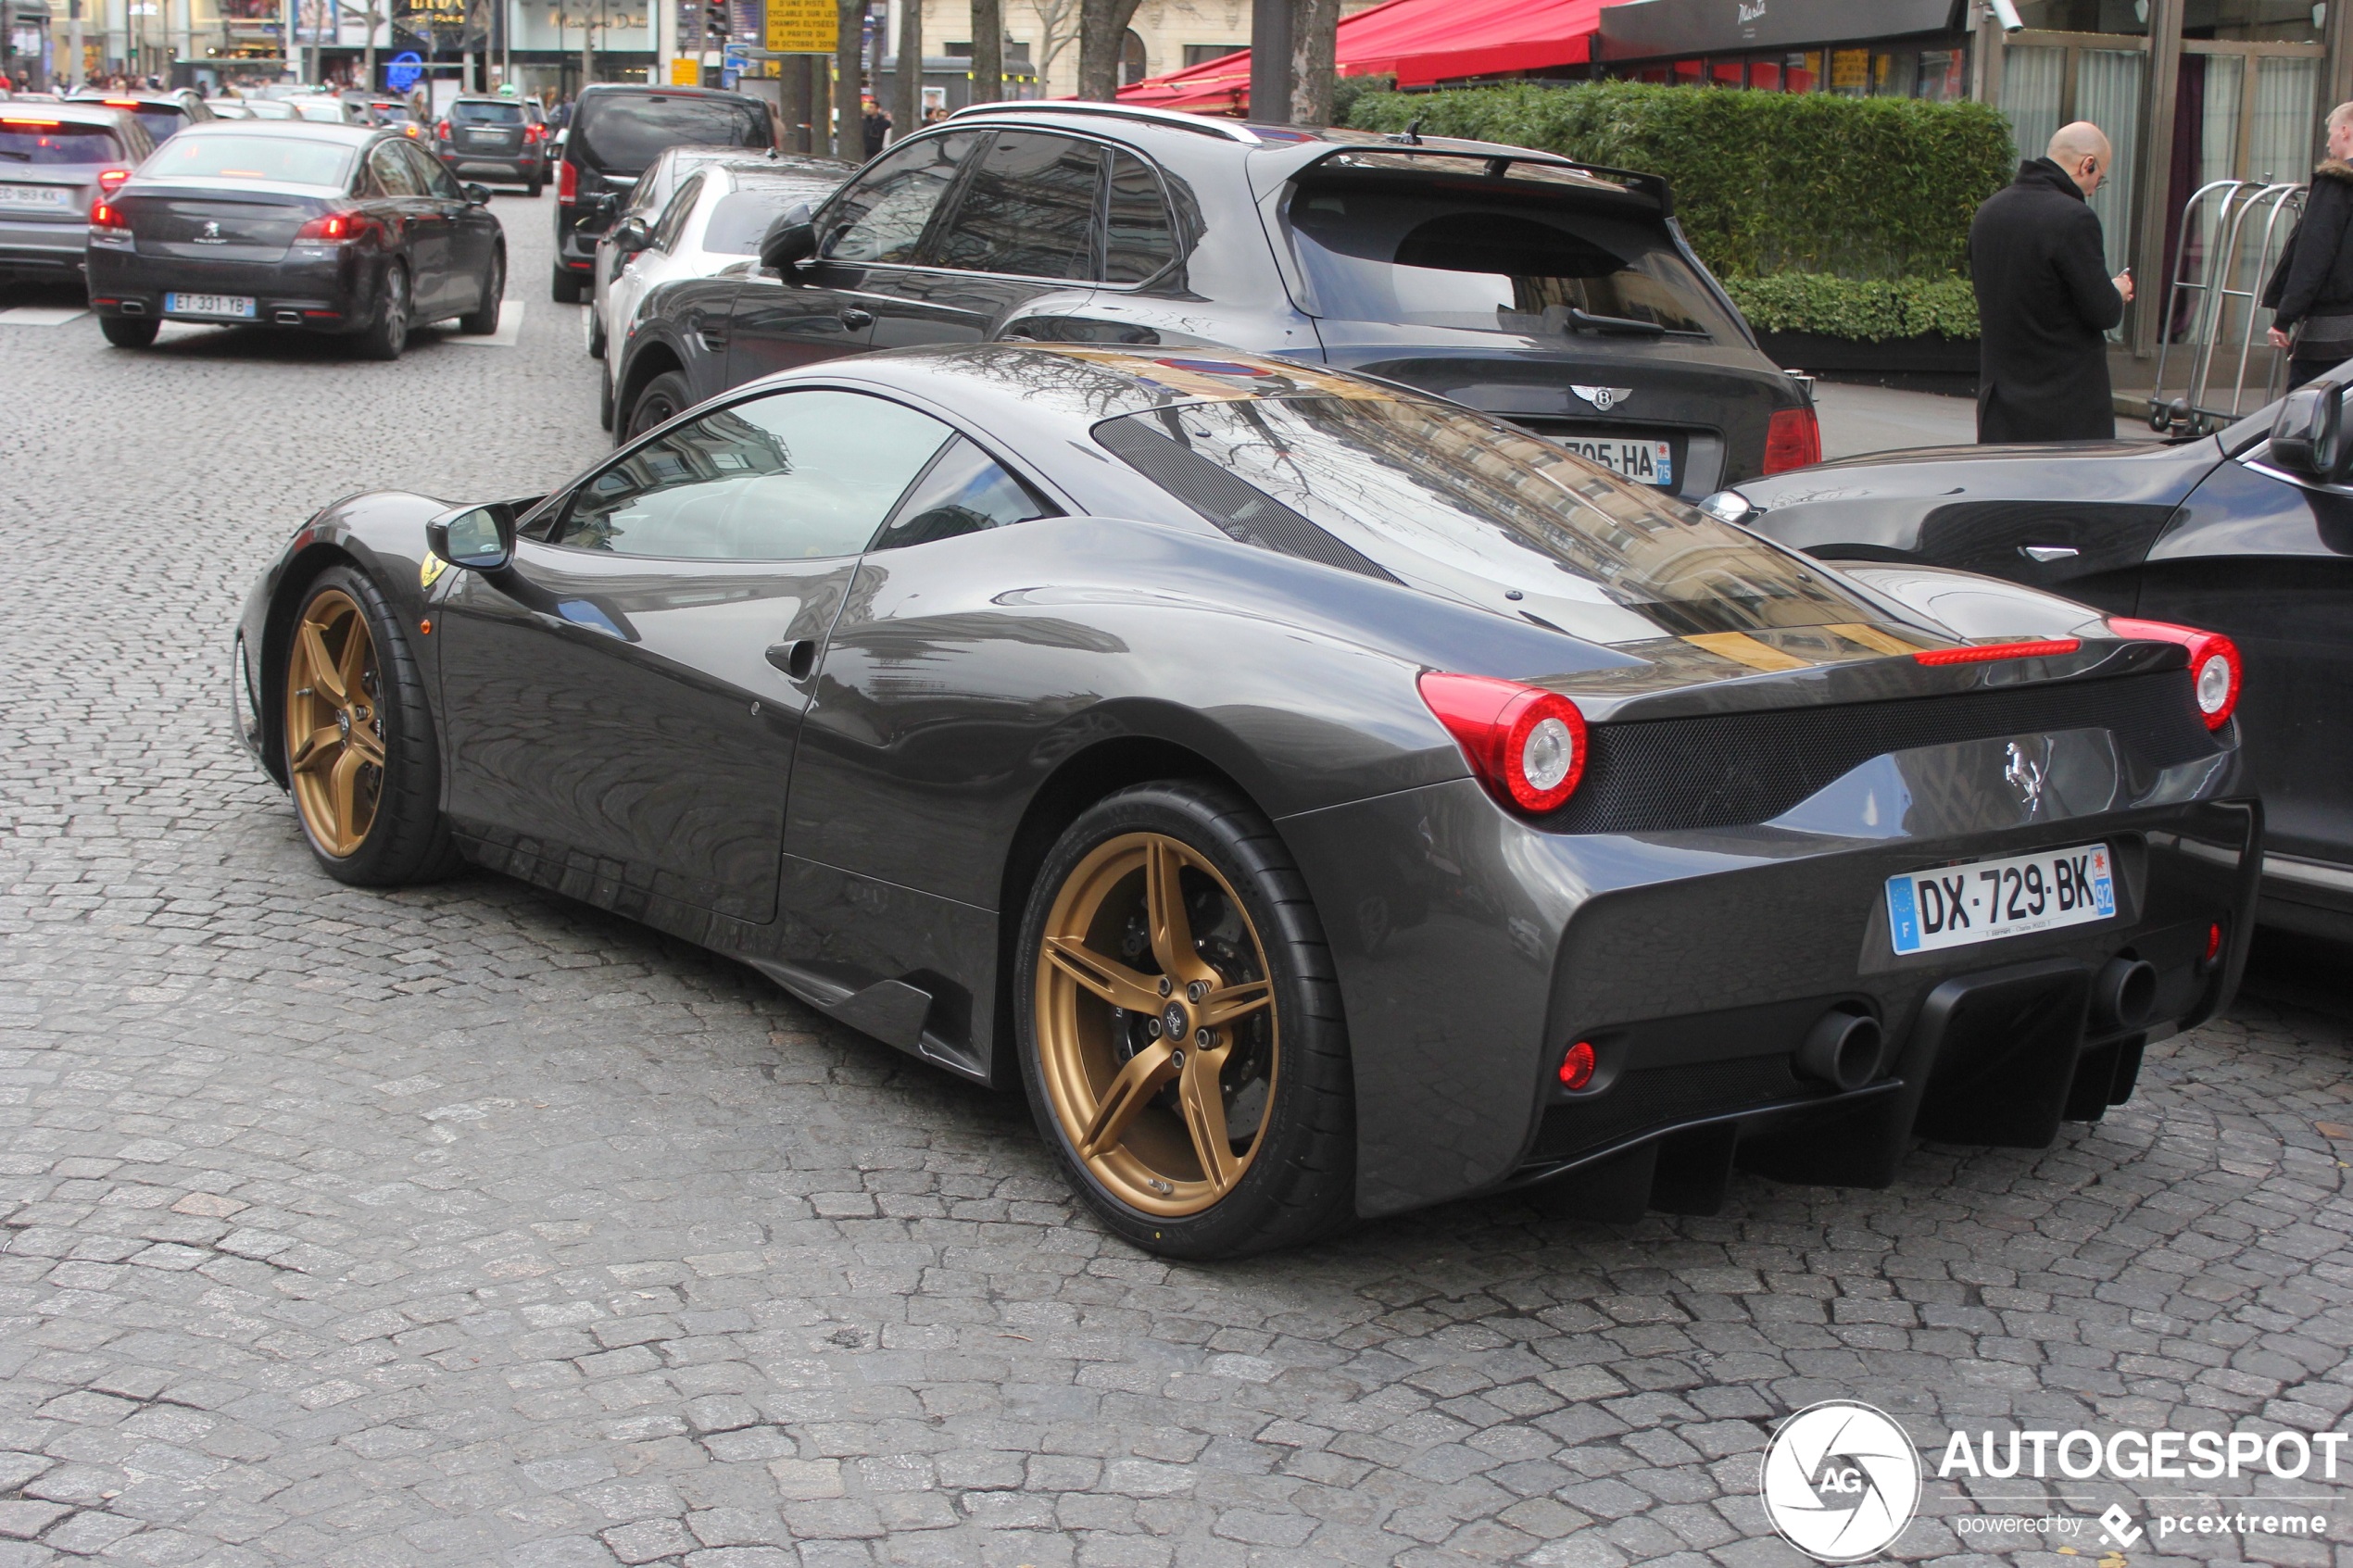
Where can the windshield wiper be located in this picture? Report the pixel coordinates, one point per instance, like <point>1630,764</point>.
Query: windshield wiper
<point>1626,325</point>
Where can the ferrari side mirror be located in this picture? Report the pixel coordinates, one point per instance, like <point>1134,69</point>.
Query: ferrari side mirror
<point>478,538</point>
<point>2308,434</point>
<point>791,239</point>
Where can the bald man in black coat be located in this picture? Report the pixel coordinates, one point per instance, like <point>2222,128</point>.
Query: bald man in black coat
<point>2045,300</point>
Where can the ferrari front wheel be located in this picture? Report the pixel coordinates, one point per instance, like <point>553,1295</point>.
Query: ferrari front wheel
<point>358,738</point>
<point>1180,1029</point>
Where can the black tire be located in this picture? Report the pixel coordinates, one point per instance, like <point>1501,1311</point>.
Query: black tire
<point>657,401</point>
<point>388,334</point>
<point>483,320</point>
<point>534,188</point>
<point>130,332</point>
<point>596,341</point>
<point>408,840</point>
<point>1299,1182</point>
<point>604,401</point>
<point>564,287</point>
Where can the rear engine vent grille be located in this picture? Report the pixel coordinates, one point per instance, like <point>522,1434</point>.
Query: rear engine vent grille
<point>1722,769</point>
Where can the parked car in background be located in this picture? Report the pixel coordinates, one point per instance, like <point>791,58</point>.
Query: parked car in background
<point>270,108</point>
<point>807,178</point>
<point>345,229</point>
<point>616,132</point>
<point>165,113</point>
<point>230,108</point>
<point>495,138</point>
<point>327,109</point>
<point>2248,532</point>
<point>1558,296</point>
<point>57,160</point>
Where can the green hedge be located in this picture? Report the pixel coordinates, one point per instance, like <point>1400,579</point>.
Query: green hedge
<point>1865,310</point>
<point>1805,189</point>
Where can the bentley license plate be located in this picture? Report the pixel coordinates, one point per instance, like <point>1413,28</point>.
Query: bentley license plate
<point>1653,462</point>
<point>235,306</point>
<point>1986,900</point>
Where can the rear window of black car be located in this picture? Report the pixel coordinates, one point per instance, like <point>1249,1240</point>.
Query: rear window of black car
<point>161,120</point>
<point>626,131</point>
<point>486,113</point>
<point>291,160</point>
<point>1451,499</point>
<point>35,141</point>
<point>1439,252</point>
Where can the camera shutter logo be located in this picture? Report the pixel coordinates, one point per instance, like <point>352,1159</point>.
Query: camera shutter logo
<point>1841,1481</point>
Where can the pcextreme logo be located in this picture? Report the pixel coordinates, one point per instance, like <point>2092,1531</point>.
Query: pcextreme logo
<point>1841,1480</point>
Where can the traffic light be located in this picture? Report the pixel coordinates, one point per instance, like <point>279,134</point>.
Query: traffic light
<point>715,22</point>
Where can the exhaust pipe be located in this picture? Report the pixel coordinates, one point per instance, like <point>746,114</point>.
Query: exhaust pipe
<point>287,318</point>
<point>2123,993</point>
<point>1842,1050</point>
<point>134,307</point>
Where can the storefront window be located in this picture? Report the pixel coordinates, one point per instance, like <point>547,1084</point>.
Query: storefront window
<point>1690,73</point>
<point>1728,73</point>
<point>1851,73</point>
<point>2279,144</point>
<point>2108,92</point>
<point>1802,73</point>
<point>2030,81</point>
<point>2273,21</point>
<point>1654,75</point>
<point>1765,75</point>
<point>1895,75</point>
<point>1944,75</point>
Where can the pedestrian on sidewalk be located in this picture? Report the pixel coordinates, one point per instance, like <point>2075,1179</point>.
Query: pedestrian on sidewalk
<point>2045,300</point>
<point>2310,293</point>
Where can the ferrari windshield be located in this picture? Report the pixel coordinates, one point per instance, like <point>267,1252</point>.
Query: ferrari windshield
<point>1450,499</point>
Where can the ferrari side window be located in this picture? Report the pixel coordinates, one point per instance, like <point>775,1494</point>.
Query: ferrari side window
<point>964,492</point>
<point>791,476</point>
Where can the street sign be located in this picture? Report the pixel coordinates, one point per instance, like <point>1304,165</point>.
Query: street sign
<point>802,27</point>
<point>401,72</point>
<point>685,71</point>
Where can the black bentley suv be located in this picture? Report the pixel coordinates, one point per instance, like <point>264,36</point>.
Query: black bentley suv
<point>1561,297</point>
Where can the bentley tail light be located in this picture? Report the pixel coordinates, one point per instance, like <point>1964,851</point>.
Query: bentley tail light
<point>568,182</point>
<point>1792,441</point>
<point>2216,672</point>
<point>110,179</point>
<point>1527,744</point>
<point>333,228</point>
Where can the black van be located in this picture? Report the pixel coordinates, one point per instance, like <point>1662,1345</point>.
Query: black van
<point>616,132</point>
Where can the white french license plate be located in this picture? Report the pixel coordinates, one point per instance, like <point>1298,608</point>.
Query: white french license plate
<point>1954,906</point>
<point>236,306</point>
<point>42,197</point>
<point>1653,462</point>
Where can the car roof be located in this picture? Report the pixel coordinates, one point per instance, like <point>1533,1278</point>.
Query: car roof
<point>642,90</point>
<point>1085,385</point>
<point>295,130</point>
<point>65,111</point>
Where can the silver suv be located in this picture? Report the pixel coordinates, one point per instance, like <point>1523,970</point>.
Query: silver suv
<point>56,159</point>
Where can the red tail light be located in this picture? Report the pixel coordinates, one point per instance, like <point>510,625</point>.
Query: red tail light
<point>1986,653</point>
<point>1792,441</point>
<point>1527,744</point>
<point>442,129</point>
<point>533,132</point>
<point>1577,1066</point>
<point>568,182</point>
<point>2216,672</point>
<point>103,216</point>
<point>110,179</point>
<point>334,228</point>
<point>121,103</point>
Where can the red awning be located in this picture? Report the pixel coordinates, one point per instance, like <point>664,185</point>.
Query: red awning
<point>1419,42</point>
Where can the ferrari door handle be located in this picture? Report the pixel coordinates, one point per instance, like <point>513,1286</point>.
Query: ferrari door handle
<point>796,659</point>
<point>2048,553</point>
<point>857,320</point>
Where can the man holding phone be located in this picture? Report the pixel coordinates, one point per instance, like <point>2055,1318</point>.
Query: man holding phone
<point>2045,300</point>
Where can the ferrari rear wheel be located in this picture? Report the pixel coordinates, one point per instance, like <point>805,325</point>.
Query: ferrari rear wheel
<point>1181,1027</point>
<point>358,739</point>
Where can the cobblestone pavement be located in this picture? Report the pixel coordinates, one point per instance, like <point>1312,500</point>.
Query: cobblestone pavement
<point>467,1225</point>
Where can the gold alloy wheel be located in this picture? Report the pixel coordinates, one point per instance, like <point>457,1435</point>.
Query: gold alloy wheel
<point>1156,1026</point>
<point>335,728</point>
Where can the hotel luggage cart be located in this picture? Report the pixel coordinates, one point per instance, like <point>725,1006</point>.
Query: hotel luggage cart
<point>2246,222</point>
